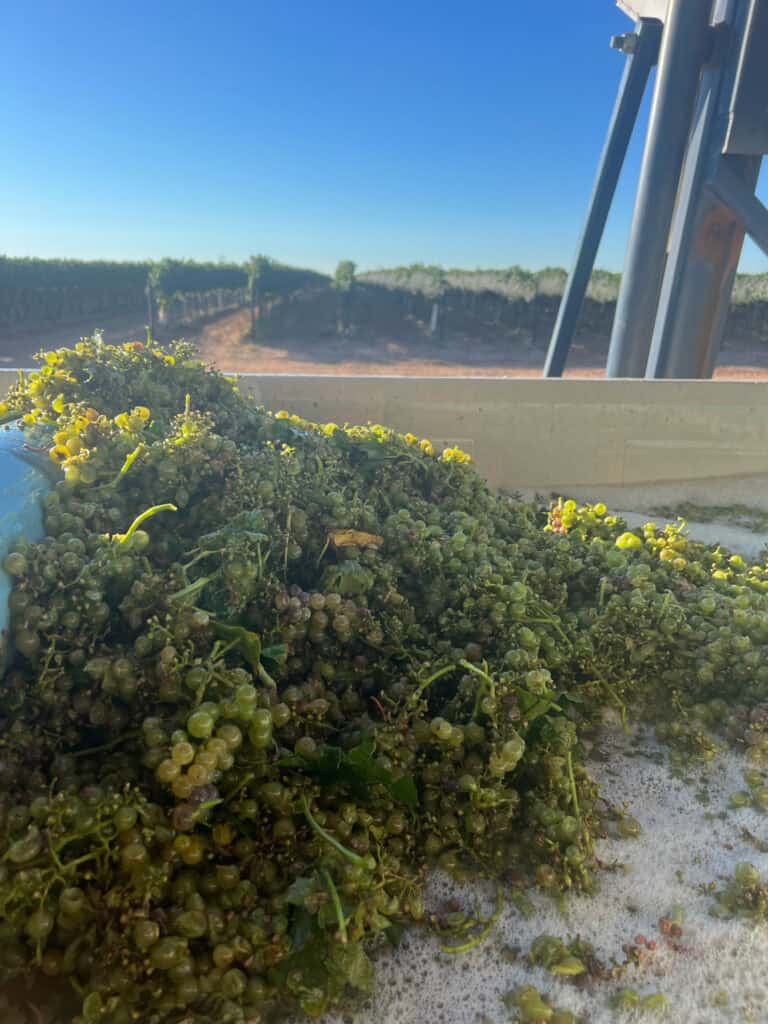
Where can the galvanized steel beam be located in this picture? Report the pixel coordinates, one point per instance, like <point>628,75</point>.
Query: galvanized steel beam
<point>684,47</point>
<point>733,191</point>
<point>642,49</point>
<point>707,233</point>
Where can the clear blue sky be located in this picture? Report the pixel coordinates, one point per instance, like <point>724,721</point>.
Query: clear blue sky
<point>454,133</point>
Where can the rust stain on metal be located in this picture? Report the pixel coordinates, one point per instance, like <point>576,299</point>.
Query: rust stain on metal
<point>719,226</point>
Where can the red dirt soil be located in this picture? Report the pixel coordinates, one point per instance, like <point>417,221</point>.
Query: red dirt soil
<point>224,343</point>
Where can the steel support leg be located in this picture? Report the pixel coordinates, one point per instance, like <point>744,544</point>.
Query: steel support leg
<point>707,234</point>
<point>640,60</point>
<point>732,190</point>
<point>697,288</point>
<point>684,46</point>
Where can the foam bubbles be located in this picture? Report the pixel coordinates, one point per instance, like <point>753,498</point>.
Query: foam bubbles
<point>690,839</point>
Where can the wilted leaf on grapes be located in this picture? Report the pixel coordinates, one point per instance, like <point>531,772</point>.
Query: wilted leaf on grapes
<point>355,538</point>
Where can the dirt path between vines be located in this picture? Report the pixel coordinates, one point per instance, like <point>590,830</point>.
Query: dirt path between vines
<point>225,345</point>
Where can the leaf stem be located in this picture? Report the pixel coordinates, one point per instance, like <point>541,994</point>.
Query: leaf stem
<point>334,894</point>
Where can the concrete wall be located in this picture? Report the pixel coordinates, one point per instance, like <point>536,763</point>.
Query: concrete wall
<point>635,444</point>
<point>688,440</point>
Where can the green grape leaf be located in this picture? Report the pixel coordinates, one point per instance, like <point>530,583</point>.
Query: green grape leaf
<point>303,969</point>
<point>283,430</point>
<point>318,973</point>
<point>356,770</point>
<point>532,706</point>
<point>245,526</point>
<point>341,439</point>
<point>303,926</point>
<point>349,578</point>
<point>369,453</point>
<point>404,790</point>
<point>351,963</point>
<point>244,641</point>
<point>274,655</point>
<point>299,889</point>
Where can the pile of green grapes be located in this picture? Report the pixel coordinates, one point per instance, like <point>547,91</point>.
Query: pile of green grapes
<point>266,675</point>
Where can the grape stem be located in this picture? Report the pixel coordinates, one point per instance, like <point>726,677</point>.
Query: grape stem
<point>622,708</point>
<point>239,787</point>
<point>353,858</point>
<point>130,459</point>
<point>550,620</point>
<point>55,856</point>
<point>201,555</point>
<point>191,590</point>
<point>86,751</point>
<point>266,678</point>
<point>572,781</point>
<point>333,892</point>
<point>488,926</point>
<point>204,808</point>
<point>321,556</point>
<point>262,561</point>
<point>122,538</point>
<point>288,523</point>
<point>490,685</point>
<point>417,694</point>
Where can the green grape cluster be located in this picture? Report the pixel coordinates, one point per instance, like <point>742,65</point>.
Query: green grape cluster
<point>745,896</point>
<point>268,674</point>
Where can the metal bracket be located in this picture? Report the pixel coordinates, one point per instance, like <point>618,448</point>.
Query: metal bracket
<point>625,43</point>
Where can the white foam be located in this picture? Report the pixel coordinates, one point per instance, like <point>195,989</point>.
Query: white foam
<point>684,845</point>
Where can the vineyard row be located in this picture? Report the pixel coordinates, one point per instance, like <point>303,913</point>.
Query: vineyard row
<point>37,291</point>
